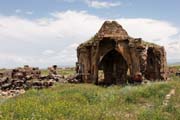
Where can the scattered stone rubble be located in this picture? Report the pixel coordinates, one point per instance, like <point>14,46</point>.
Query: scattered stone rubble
<point>173,71</point>
<point>11,93</point>
<point>15,81</point>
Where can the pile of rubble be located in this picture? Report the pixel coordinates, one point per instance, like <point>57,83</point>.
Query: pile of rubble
<point>23,78</point>
<point>11,93</point>
<point>173,71</point>
<point>74,79</point>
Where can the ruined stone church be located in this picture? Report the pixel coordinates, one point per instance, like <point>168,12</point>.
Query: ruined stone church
<point>119,57</point>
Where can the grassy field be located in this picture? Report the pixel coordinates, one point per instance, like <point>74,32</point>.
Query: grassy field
<point>90,102</point>
<point>64,72</point>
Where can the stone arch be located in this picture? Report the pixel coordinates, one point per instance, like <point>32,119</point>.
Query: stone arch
<point>114,67</point>
<point>122,49</point>
<point>105,45</point>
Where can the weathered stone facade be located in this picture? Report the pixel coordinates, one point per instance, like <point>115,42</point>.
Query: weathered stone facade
<point>118,55</point>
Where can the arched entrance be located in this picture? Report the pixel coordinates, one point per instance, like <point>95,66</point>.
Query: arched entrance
<point>114,68</point>
<point>153,65</point>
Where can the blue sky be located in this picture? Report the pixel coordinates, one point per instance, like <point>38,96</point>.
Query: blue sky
<point>39,32</point>
<point>157,9</point>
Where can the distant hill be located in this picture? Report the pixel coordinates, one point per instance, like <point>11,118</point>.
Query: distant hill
<point>174,64</point>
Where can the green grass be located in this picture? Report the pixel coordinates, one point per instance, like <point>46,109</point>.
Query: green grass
<point>90,102</point>
<point>2,70</point>
<point>65,72</point>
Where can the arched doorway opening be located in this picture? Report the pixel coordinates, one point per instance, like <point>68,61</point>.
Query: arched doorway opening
<point>114,68</point>
<point>153,65</point>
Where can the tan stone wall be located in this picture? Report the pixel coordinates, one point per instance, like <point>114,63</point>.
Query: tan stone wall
<point>142,59</point>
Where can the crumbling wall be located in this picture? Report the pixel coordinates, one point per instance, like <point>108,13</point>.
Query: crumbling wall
<point>139,58</point>
<point>156,64</point>
<point>27,77</point>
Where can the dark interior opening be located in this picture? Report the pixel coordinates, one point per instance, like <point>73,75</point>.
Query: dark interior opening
<point>153,65</point>
<point>114,68</point>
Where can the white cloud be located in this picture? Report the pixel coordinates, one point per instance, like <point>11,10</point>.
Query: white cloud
<point>48,52</point>
<point>102,4</point>
<point>27,39</point>
<point>173,48</point>
<point>96,3</point>
<point>18,11</point>
<point>29,12</point>
<point>53,40</point>
<point>159,32</point>
<point>148,29</point>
